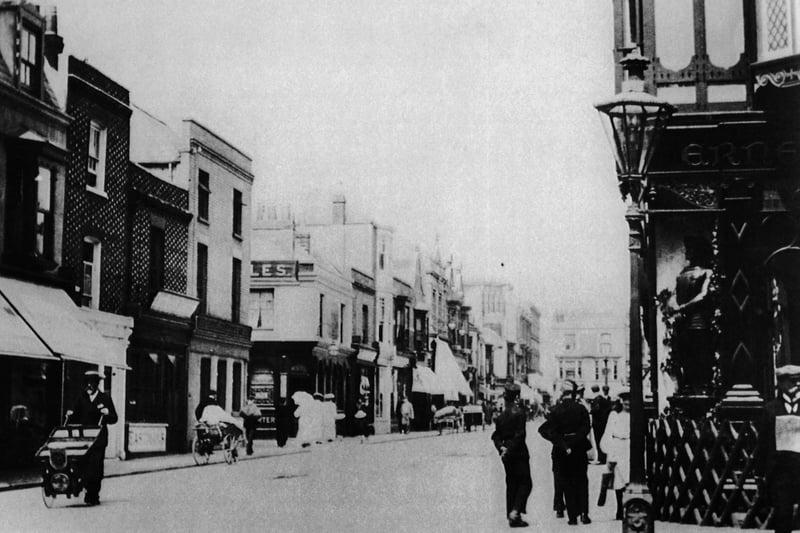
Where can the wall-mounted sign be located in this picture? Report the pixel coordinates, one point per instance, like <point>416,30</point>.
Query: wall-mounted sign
<point>274,269</point>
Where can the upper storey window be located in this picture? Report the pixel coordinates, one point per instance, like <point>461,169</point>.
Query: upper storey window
<point>778,23</point>
<point>699,52</point>
<point>30,69</point>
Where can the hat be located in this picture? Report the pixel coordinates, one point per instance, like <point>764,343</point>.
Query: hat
<point>787,372</point>
<point>511,389</point>
<point>92,374</point>
<point>624,394</point>
<point>568,386</point>
<point>329,396</point>
<point>595,388</point>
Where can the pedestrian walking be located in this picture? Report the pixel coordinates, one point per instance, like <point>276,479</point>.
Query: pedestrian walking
<point>600,410</point>
<point>92,408</point>
<point>283,421</point>
<point>317,418</point>
<point>616,441</point>
<point>250,413</point>
<point>509,439</point>
<point>406,415</point>
<point>304,413</point>
<point>362,428</point>
<point>329,417</point>
<point>568,429</point>
<point>778,453</point>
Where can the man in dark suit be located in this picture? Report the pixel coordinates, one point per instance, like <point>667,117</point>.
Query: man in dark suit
<point>778,453</point>
<point>93,408</point>
<point>568,429</point>
<point>601,408</point>
<point>509,439</point>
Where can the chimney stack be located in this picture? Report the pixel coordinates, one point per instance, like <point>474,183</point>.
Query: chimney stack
<point>53,42</point>
<point>339,209</point>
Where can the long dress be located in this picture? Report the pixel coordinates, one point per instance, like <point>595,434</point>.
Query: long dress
<point>616,443</point>
<point>305,423</point>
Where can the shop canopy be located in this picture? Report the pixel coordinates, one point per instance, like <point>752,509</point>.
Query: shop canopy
<point>17,338</point>
<point>52,315</point>
<point>448,372</point>
<point>426,382</point>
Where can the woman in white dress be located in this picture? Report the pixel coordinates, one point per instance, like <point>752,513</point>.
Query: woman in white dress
<point>617,446</point>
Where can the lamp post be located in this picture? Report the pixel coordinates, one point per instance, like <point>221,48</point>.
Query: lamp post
<point>633,120</point>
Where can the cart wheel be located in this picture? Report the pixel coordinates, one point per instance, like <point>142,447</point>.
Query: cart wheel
<point>48,500</point>
<point>199,454</point>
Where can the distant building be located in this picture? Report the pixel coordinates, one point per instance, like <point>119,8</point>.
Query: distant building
<point>590,348</point>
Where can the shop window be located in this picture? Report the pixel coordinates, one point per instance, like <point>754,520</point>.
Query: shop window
<point>205,378</point>
<point>236,394</point>
<point>364,324</point>
<point>222,382</point>
<point>90,282</point>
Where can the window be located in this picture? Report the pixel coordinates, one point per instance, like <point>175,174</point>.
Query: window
<point>616,375</point>
<point>156,275</point>
<point>96,166</point>
<point>365,324</point>
<point>203,192</point>
<point>382,256</point>
<point>596,370</point>
<point>202,277</point>
<point>29,68</point>
<point>561,369</point>
<point>237,213</point>
<point>569,342</point>
<point>382,316</point>
<point>90,288</point>
<point>44,213</point>
<point>262,309</point>
<point>320,317</point>
<point>580,369</point>
<point>605,344</point>
<point>236,289</point>
<point>205,377</point>
<point>341,322</point>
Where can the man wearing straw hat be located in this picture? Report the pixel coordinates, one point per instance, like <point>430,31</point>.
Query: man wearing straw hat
<point>93,408</point>
<point>778,454</point>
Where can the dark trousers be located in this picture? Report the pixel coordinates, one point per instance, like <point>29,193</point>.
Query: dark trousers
<point>250,425</point>
<point>598,434</point>
<point>518,483</point>
<point>92,472</point>
<point>558,492</point>
<point>576,488</point>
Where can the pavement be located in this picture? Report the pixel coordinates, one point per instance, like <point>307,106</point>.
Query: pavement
<point>31,477</point>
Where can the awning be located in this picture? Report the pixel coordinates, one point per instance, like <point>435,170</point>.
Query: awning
<point>449,374</point>
<point>324,353</point>
<point>17,338</point>
<point>491,337</point>
<point>425,381</point>
<point>54,317</point>
<point>175,304</point>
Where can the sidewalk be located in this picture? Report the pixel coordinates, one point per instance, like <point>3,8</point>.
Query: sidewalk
<point>262,448</point>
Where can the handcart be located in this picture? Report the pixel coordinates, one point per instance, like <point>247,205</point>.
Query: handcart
<point>447,417</point>
<point>61,459</point>
<point>210,437</point>
<point>473,416</point>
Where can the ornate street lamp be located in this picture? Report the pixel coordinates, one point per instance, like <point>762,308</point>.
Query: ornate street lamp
<point>634,120</point>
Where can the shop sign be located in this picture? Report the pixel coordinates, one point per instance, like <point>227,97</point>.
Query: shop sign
<point>274,269</point>
<point>757,154</point>
<point>144,437</point>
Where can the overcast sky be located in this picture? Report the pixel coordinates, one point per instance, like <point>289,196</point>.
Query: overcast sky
<point>468,120</point>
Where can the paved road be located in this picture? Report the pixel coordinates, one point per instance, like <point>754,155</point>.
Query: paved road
<point>448,483</point>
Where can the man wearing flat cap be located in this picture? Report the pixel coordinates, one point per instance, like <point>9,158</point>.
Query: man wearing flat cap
<point>778,454</point>
<point>93,408</point>
<point>509,439</point>
<point>568,429</point>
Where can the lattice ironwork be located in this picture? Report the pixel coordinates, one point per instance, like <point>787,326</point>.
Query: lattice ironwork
<point>703,472</point>
<point>777,25</point>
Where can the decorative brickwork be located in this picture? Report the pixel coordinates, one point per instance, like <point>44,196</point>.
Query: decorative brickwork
<point>151,197</point>
<point>97,214</point>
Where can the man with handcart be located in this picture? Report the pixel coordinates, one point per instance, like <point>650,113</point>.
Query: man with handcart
<point>93,408</point>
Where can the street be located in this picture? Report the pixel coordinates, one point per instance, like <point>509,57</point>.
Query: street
<point>448,483</point>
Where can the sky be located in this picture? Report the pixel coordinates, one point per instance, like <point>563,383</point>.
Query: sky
<point>467,123</point>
